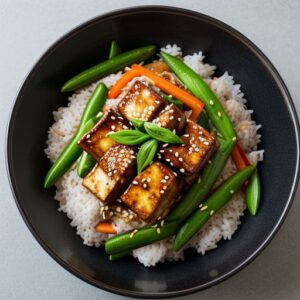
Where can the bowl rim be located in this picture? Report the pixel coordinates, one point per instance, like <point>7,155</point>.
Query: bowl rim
<point>137,10</point>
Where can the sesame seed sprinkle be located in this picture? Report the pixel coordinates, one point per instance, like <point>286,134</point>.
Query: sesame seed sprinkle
<point>231,191</point>
<point>158,230</point>
<point>234,138</point>
<point>133,233</point>
<point>211,102</point>
<point>211,213</point>
<point>219,114</point>
<point>204,208</point>
<point>135,182</point>
<point>182,170</point>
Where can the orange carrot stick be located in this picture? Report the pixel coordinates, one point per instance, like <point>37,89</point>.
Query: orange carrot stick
<point>239,157</point>
<point>194,103</point>
<point>105,227</point>
<point>117,88</point>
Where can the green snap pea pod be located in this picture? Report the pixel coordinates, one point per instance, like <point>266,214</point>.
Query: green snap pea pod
<point>85,164</point>
<point>69,155</point>
<point>128,241</point>
<point>87,161</point>
<point>253,193</point>
<point>95,103</point>
<point>72,152</point>
<point>107,67</point>
<point>214,203</point>
<point>201,90</point>
<point>114,49</point>
<point>203,121</point>
<point>118,256</point>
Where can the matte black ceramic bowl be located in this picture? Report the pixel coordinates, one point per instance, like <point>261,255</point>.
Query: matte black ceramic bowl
<point>86,45</point>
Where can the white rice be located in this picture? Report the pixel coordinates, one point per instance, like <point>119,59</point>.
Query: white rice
<point>82,207</point>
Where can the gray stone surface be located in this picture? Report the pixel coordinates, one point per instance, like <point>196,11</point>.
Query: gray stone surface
<point>27,28</point>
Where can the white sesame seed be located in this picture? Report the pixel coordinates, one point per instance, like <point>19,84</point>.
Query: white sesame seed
<point>172,117</point>
<point>211,213</point>
<point>164,187</point>
<point>199,179</point>
<point>200,205</point>
<point>148,179</point>
<point>178,119</point>
<point>171,164</point>
<point>163,181</point>
<point>231,191</point>
<point>162,191</point>
<point>162,223</point>
<point>211,102</point>
<point>133,233</point>
<point>204,208</point>
<point>219,114</point>
<point>176,154</point>
<point>113,117</point>
<point>109,174</point>
<point>113,127</point>
<point>135,182</point>
<point>209,162</point>
<point>167,177</point>
<point>180,159</point>
<point>158,230</point>
<point>168,160</point>
<point>182,170</point>
<point>144,185</point>
<point>165,145</point>
<point>234,138</point>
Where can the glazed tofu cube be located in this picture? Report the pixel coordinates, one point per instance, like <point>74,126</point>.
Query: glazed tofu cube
<point>96,142</point>
<point>171,117</point>
<point>152,192</point>
<point>108,180</point>
<point>196,150</point>
<point>141,103</point>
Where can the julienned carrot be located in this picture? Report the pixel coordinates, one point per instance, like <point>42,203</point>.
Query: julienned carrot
<point>116,89</point>
<point>239,157</point>
<point>105,227</point>
<point>194,103</point>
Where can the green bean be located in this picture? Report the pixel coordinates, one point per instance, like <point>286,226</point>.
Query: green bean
<point>214,203</point>
<point>69,155</point>
<point>202,91</point>
<point>114,50</point>
<point>203,121</point>
<point>87,161</point>
<point>107,67</point>
<point>253,193</point>
<point>131,240</point>
<point>85,164</point>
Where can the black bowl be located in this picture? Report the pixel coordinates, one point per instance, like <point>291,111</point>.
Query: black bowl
<point>87,45</point>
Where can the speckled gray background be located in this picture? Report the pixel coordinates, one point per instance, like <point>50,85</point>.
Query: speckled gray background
<point>27,28</point>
